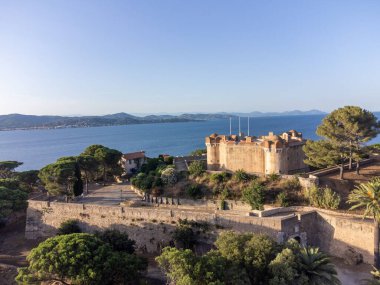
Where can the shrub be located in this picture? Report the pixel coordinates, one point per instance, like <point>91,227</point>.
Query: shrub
<point>69,227</point>
<point>219,177</point>
<point>254,196</point>
<point>273,177</point>
<point>241,176</point>
<point>119,241</point>
<point>292,184</point>
<point>197,168</point>
<point>282,199</point>
<point>184,237</point>
<point>11,200</point>
<point>194,191</point>
<point>80,259</point>
<point>169,176</point>
<point>323,198</point>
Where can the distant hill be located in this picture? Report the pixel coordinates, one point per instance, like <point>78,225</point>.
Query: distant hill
<point>19,121</point>
<point>286,113</point>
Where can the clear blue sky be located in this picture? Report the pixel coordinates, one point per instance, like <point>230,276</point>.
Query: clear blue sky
<point>99,57</point>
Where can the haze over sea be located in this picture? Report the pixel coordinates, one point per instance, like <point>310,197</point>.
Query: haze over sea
<point>36,148</point>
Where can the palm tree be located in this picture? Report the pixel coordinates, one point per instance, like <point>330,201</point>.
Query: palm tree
<point>367,195</point>
<point>375,280</point>
<point>317,267</point>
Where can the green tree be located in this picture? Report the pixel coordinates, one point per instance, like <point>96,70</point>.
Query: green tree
<point>199,152</point>
<point>28,179</point>
<point>254,196</point>
<point>317,267</point>
<point>253,252</point>
<point>324,153</point>
<point>119,241</point>
<point>347,129</point>
<point>89,167</point>
<point>107,158</point>
<point>184,236</point>
<point>11,200</point>
<point>183,267</point>
<point>197,168</point>
<point>80,259</point>
<point>69,227</point>
<point>59,178</point>
<point>7,168</point>
<point>367,196</point>
<point>284,268</point>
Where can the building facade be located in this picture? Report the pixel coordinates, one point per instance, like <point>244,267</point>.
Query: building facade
<point>281,154</point>
<point>133,161</point>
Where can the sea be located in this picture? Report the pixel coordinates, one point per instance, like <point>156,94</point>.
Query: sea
<point>37,148</point>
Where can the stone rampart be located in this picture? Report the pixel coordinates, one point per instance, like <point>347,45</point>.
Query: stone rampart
<point>152,227</point>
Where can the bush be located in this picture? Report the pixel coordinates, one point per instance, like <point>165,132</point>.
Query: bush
<point>69,227</point>
<point>169,176</point>
<point>11,201</point>
<point>241,176</point>
<point>254,196</point>
<point>292,184</point>
<point>184,237</point>
<point>220,177</point>
<point>282,199</point>
<point>119,241</point>
<point>323,198</point>
<point>273,177</point>
<point>197,168</point>
<point>80,259</point>
<point>194,191</point>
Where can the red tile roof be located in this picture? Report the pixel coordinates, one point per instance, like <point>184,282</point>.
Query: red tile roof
<point>134,155</point>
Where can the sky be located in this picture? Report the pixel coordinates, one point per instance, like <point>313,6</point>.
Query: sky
<point>87,57</point>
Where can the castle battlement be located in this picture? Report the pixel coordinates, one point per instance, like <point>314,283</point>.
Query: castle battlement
<point>268,154</point>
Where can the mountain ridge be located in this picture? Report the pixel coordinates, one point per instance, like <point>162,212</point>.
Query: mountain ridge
<point>22,121</point>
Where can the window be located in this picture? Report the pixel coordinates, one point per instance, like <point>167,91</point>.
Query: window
<point>130,161</point>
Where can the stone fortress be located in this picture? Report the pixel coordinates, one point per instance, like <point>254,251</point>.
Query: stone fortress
<point>280,154</point>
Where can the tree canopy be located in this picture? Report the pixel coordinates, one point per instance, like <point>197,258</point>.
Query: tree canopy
<point>249,259</point>
<point>80,258</point>
<point>62,177</point>
<point>7,168</point>
<point>344,132</point>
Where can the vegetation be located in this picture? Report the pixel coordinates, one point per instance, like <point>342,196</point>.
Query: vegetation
<point>197,168</point>
<point>119,241</point>
<point>240,176</point>
<point>194,191</point>
<point>249,259</point>
<point>62,177</point>
<point>184,236</point>
<point>344,130</point>
<point>169,176</point>
<point>69,227</point>
<point>11,200</point>
<point>107,158</point>
<point>254,196</point>
<point>323,198</point>
<point>367,196</point>
<point>198,152</point>
<point>58,259</point>
<point>7,168</point>
<point>282,199</point>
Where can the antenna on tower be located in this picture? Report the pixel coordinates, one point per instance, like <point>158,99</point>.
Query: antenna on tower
<point>230,127</point>
<point>239,127</point>
<point>248,126</point>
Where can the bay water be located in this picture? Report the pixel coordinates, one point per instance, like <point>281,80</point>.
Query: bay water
<point>37,148</point>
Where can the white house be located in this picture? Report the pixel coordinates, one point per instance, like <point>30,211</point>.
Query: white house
<point>133,161</point>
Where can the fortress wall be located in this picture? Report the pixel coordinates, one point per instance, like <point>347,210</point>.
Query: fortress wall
<point>249,157</point>
<point>296,157</point>
<point>151,228</point>
<point>337,234</point>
